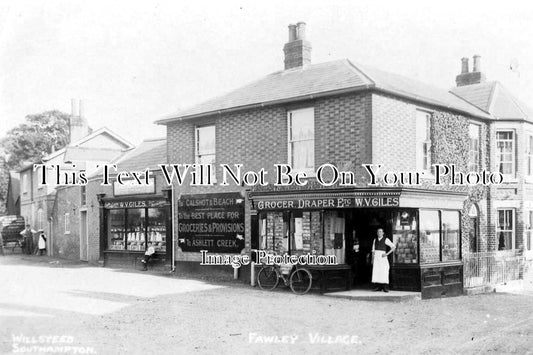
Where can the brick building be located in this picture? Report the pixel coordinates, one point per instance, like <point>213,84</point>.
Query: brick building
<point>57,208</point>
<point>347,114</point>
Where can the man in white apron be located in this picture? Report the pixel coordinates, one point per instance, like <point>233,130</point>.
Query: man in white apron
<point>380,269</point>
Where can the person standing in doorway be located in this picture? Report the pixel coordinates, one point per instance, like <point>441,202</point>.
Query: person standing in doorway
<point>27,235</point>
<point>380,269</point>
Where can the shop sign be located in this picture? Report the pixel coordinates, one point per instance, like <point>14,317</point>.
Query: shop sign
<point>135,204</point>
<point>326,203</point>
<point>212,222</point>
<point>132,187</point>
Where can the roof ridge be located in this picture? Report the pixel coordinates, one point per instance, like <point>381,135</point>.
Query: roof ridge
<point>513,99</point>
<point>468,102</point>
<point>492,94</point>
<point>358,70</point>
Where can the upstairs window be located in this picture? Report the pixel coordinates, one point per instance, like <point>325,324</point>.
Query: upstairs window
<point>529,156</point>
<point>67,223</point>
<point>423,141</point>
<point>205,146</point>
<point>301,129</point>
<point>25,184</point>
<point>473,158</point>
<point>505,152</point>
<point>83,197</point>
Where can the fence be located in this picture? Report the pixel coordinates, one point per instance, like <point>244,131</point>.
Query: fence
<point>492,268</point>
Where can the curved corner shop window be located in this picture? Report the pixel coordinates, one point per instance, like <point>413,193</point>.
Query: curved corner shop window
<point>133,228</point>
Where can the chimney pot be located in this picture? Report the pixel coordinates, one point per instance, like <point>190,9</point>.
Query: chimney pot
<point>292,32</point>
<point>300,33</point>
<point>464,65</point>
<point>477,63</point>
<point>297,50</point>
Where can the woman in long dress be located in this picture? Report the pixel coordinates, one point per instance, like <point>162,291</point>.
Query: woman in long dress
<point>42,242</point>
<point>380,269</point>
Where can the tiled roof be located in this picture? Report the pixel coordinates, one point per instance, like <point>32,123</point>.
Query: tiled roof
<point>91,154</point>
<point>414,89</point>
<point>495,99</point>
<point>321,80</point>
<point>149,154</point>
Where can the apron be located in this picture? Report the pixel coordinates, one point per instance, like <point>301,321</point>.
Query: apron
<point>380,269</point>
<point>42,242</point>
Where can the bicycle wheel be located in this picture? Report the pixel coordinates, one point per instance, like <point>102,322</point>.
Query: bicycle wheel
<point>301,281</point>
<point>268,278</point>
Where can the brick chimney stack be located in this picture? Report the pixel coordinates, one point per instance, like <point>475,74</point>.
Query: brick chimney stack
<point>78,125</point>
<point>469,78</point>
<point>297,50</point>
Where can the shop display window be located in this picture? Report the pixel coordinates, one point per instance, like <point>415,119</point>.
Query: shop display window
<point>450,235</point>
<point>405,237</point>
<point>156,228</point>
<point>429,236</point>
<point>116,230</point>
<point>296,233</point>
<point>135,232</point>
<point>439,236</point>
<point>133,228</point>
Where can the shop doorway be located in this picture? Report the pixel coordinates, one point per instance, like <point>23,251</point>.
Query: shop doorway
<point>361,230</point>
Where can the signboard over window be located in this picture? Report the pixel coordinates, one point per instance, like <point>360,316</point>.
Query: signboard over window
<point>212,222</point>
<point>325,202</point>
<point>132,187</point>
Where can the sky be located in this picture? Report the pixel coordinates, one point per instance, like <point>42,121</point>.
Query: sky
<point>134,62</point>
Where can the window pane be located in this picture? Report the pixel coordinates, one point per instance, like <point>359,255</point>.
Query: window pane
<point>301,139</point>
<point>116,232</point>
<point>157,228</point>
<point>205,140</point>
<point>404,237</point>
<point>135,231</point>
<point>505,229</point>
<point>423,140</point>
<point>429,236</point>
<point>450,235</point>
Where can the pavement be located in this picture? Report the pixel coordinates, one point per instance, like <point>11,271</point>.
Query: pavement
<point>57,306</point>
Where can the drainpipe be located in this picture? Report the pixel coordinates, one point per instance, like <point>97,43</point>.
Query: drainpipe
<point>50,237</point>
<point>173,268</point>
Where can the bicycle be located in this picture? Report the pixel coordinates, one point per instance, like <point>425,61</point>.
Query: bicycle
<point>299,278</point>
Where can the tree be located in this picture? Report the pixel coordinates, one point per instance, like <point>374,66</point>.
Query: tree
<point>39,136</point>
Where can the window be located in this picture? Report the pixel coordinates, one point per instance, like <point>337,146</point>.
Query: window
<point>423,141</point>
<point>529,156</point>
<point>505,229</point>
<point>439,236</point>
<point>429,236</point>
<point>301,149</point>
<point>40,218</point>
<point>529,230</point>
<point>25,186</point>
<point>206,147</point>
<point>134,228</point>
<point>83,197</point>
<point>473,161</point>
<point>67,223</point>
<point>450,235</point>
<point>505,152</point>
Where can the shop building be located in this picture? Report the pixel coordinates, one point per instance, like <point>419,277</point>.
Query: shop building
<point>346,114</point>
<point>124,218</point>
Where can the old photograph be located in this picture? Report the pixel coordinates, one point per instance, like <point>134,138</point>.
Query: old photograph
<point>268,177</point>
